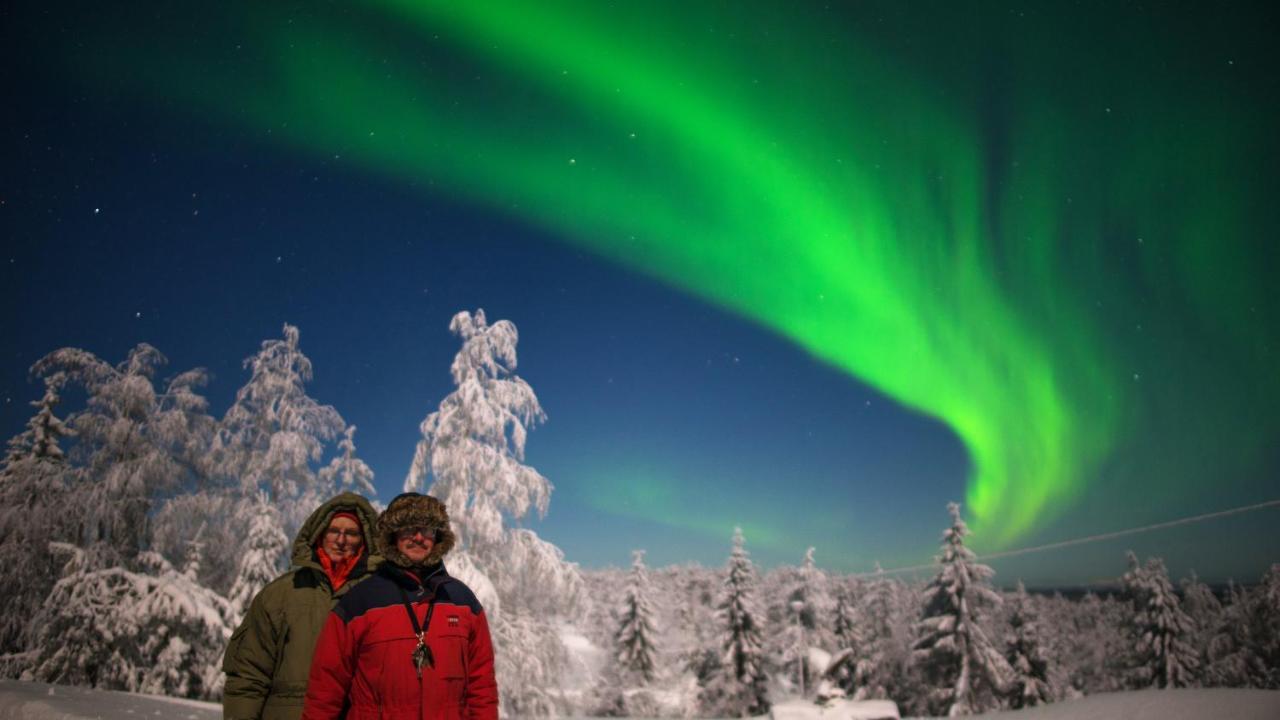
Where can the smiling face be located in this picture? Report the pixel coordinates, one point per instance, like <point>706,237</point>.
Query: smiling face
<point>416,543</point>
<point>343,538</point>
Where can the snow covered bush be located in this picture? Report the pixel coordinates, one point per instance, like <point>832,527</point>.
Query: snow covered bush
<point>154,632</point>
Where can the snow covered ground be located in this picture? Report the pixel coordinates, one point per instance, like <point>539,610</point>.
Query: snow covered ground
<point>38,701</point>
<point>1215,703</point>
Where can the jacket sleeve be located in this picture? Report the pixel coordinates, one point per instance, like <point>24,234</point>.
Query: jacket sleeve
<point>250,663</point>
<point>332,667</point>
<point>482,689</point>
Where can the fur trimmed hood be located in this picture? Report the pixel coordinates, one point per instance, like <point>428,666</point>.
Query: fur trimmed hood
<point>414,510</point>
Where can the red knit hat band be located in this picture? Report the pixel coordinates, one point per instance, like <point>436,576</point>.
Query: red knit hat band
<point>346,514</point>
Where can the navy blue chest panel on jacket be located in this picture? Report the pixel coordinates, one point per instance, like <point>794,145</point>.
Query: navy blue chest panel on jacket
<point>383,591</point>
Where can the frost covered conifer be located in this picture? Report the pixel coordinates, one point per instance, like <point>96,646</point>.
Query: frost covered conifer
<point>1030,685</point>
<point>739,688</point>
<point>635,636</point>
<point>806,598</point>
<point>1159,626</point>
<point>274,432</point>
<point>1203,609</point>
<point>842,670</point>
<point>1269,607</point>
<point>346,472</point>
<point>194,556</point>
<point>260,561</point>
<point>134,444</point>
<point>963,669</point>
<point>844,627</point>
<point>471,457</point>
<point>877,667</point>
<point>34,480</point>
<point>1234,654</point>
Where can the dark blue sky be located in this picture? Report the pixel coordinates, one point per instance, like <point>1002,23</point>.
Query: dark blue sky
<point>204,252</point>
<point>670,420</point>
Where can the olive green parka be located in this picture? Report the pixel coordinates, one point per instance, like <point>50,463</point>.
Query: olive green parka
<point>269,656</point>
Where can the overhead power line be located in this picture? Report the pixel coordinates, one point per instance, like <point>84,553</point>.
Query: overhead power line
<point>1093,538</point>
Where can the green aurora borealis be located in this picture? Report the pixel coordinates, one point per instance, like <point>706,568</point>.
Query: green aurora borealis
<point>1044,231</point>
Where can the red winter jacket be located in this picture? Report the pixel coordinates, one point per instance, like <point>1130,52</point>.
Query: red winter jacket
<point>363,664</point>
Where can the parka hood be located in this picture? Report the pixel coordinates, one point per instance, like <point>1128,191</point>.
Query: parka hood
<point>305,542</point>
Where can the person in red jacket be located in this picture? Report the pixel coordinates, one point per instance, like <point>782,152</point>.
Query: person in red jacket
<point>411,641</point>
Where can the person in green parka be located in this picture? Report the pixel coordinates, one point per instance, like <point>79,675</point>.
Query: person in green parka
<point>269,656</point>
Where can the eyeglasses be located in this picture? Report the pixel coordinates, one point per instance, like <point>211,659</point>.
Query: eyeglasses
<point>426,532</point>
<point>335,533</point>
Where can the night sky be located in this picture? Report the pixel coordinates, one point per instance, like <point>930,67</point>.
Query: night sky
<point>815,271</point>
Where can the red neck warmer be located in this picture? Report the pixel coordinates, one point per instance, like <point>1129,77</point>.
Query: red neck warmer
<point>337,570</point>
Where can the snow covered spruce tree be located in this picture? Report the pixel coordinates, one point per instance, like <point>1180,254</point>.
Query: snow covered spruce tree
<point>471,457</point>
<point>1030,685</point>
<point>738,690</point>
<point>260,560</point>
<point>1159,628</point>
<point>274,432</point>
<point>634,639</point>
<point>34,480</point>
<point>966,674</point>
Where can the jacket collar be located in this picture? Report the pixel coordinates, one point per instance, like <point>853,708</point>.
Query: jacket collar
<point>415,578</point>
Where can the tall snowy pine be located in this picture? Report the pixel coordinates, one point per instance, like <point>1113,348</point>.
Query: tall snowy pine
<point>1030,684</point>
<point>1160,628</point>
<point>739,689</point>
<point>34,480</point>
<point>635,636</point>
<point>965,671</point>
<point>471,457</point>
<point>274,432</point>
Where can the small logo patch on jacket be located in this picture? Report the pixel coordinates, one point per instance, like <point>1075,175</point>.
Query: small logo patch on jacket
<point>453,620</point>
